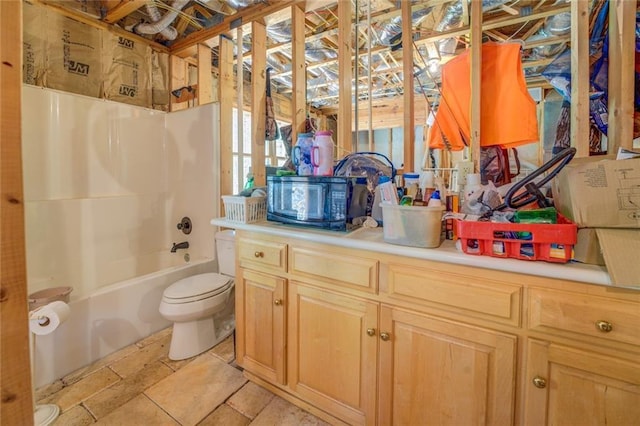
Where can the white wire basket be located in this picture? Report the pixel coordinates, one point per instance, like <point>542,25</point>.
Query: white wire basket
<point>244,209</point>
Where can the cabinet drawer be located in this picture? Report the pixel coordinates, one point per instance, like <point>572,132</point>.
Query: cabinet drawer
<point>478,296</point>
<point>587,315</point>
<point>346,270</point>
<point>259,253</point>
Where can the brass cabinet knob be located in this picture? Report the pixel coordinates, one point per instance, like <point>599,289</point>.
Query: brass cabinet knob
<point>539,382</point>
<point>277,302</point>
<point>604,326</point>
<point>258,254</point>
<point>371,331</point>
<point>385,336</point>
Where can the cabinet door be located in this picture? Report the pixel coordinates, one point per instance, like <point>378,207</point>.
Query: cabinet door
<point>571,386</point>
<point>435,371</point>
<point>260,324</point>
<point>332,352</point>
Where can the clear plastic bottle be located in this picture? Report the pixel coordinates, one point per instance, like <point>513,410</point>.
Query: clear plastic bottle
<point>473,184</point>
<point>418,201</point>
<point>435,200</point>
<point>411,183</point>
<point>410,178</point>
<point>302,154</point>
<point>249,183</point>
<point>385,192</point>
<point>388,191</point>
<point>427,183</point>
<point>376,209</point>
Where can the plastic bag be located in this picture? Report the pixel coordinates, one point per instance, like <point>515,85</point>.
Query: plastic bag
<point>495,166</point>
<point>558,74</point>
<point>482,201</point>
<point>371,165</point>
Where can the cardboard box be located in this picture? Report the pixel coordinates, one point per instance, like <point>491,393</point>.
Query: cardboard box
<point>599,192</point>
<point>602,196</point>
<point>620,248</point>
<point>616,248</point>
<point>587,249</point>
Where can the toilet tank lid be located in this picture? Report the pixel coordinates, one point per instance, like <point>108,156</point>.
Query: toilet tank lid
<point>227,234</point>
<point>196,285</point>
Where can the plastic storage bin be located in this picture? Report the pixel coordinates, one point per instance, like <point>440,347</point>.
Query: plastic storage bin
<point>527,241</point>
<point>244,209</point>
<point>414,226</point>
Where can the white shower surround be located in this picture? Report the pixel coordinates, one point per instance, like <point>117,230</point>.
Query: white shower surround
<point>105,185</point>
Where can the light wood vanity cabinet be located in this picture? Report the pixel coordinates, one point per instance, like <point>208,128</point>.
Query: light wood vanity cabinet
<point>370,338</point>
<point>597,380</point>
<point>294,331</point>
<point>584,316</point>
<point>441,365</point>
<point>439,372</point>
<point>261,254</point>
<point>261,322</point>
<point>261,288</point>
<point>569,386</point>
<point>333,337</point>
<point>332,347</point>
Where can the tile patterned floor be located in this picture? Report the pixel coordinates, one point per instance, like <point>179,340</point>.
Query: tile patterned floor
<point>140,385</point>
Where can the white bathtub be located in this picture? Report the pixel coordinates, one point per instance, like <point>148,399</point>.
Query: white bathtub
<point>108,320</point>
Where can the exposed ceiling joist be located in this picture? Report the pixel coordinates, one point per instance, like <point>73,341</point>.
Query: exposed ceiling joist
<point>490,25</point>
<point>81,17</point>
<point>441,30</point>
<point>495,23</point>
<point>122,9</point>
<point>251,13</point>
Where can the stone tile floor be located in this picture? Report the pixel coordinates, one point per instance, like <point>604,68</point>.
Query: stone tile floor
<point>140,385</point>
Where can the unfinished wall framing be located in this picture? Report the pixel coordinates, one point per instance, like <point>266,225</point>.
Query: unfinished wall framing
<point>64,53</point>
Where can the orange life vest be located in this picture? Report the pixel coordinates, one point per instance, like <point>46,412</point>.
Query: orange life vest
<point>508,113</point>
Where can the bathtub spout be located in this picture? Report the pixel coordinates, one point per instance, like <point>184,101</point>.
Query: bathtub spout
<point>182,245</point>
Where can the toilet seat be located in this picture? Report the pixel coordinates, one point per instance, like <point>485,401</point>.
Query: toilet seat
<point>196,287</point>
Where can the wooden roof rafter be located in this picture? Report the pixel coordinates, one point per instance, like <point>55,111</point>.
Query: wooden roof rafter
<point>183,21</point>
<point>122,9</point>
<point>496,35</point>
<point>80,17</point>
<point>462,31</point>
<point>255,12</point>
<point>320,23</point>
<point>381,73</point>
<point>495,24</point>
<point>534,28</point>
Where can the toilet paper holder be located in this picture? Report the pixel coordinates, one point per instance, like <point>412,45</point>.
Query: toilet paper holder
<point>42,320</point>
<point>48,295</point>
<point>46,319</point>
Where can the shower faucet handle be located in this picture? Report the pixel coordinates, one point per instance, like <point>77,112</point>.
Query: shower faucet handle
<point>185,225</point>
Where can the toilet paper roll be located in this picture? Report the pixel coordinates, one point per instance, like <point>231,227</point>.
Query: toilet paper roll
<point>46,319</point>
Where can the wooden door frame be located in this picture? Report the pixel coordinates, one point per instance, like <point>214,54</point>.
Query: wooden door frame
<point>15,371</point>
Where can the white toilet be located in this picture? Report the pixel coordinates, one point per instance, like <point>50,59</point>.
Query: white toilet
<point>202,306</point>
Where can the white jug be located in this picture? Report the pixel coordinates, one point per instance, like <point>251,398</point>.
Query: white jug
<point>322,154</point>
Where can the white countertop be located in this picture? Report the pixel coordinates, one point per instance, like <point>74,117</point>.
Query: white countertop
<point>371,239</point>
